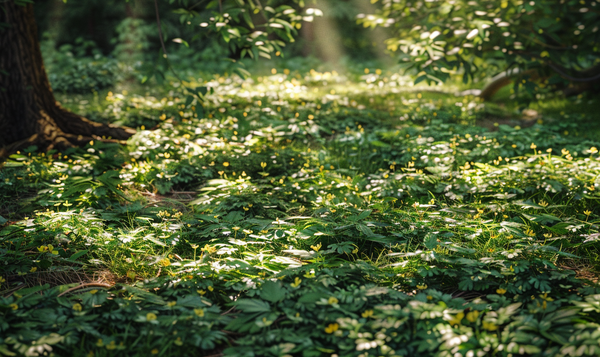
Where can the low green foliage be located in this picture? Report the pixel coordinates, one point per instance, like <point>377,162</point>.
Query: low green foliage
<point>78,68</point>
<point>306,215</point>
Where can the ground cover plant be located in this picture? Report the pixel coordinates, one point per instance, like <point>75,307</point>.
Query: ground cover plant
<point>306,214</point>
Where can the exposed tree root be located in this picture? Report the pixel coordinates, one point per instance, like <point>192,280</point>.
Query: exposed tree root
<point>70,130</point>
<point>85,285</point>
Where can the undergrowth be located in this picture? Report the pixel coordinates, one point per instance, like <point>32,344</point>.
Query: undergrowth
<point>304,215</point>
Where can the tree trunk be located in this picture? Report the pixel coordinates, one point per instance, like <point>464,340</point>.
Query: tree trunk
<point>29,114</point>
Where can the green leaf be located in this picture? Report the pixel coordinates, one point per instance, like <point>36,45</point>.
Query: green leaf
<point>144,295</point>
<point>420,79</point>
<point>77,255</point>
<point>252,305</point>
<point>272,291</point>
<point>430,241</point>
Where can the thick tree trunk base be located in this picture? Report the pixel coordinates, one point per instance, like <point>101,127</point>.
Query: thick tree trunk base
<point>74,131</point>
<point>29,113</point>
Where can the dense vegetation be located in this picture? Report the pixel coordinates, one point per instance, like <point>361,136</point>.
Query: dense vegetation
<point>299,212</point>
<point>306,214</point>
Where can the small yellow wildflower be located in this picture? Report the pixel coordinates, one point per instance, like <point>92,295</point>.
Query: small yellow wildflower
<point>472,316</point>
<point>33,269</point>
<point>208,249</point>
<point>77,307</point>
<point>331,328</point>
<point>296,282</point>
<point>500,291</point>
<point>225,164</point>
<point>13,306</point>
<point>367,313</point>
<point>199,312</point>
<point>332,300</point>
<point>112,345</point>
<point>150,316</point>
<point>100,343</point>
<point>533,146</point>
<point>587,212</point>
<point>165,262</point>
<point>593,150</point>
<point>317,247</point>
<point>210,288</point>
<point>422,287</point>
<point>154,351</point>
<point>490,326</point>
<point>171,303</point>
<point>456,319</point>
<point>263,164</point>
<point>201,292</point>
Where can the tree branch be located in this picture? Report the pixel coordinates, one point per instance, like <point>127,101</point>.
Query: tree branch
<point>558,70</point>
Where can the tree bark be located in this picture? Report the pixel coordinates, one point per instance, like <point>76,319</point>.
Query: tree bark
<point>29,113</point>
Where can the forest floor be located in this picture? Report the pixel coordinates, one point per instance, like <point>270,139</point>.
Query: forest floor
<point>305,215</point>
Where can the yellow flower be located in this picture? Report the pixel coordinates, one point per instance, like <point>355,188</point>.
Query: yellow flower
<point>201,292</point>
<point>490,326</point>
<point>332,300</point>
<point>178,341</point>
<point>165,262</point>
<point>210,288</point>
<point>296,282</point>
<point>111,346</point>
<point>593,150</point>
<point>13,306</point>
<point>457,319</point>
<point>171,303</point>
<point>367,313</point>
<point>317,247</point>
<point>331,328</point>
<point>199,312</point>
<point>533,146</point>
<point>100,343</point>
<point>263,164</point>
<point>225,164</point>
<point>33,269</point>
<point>472,316</point>
<point>309,275</point>
<point>77,307</point>
<point>154,351</point>
<point>500,291</point>
<point>150,316</point>
<point>422,287</point>
<point>587,212</point>
<point>208,249</point>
